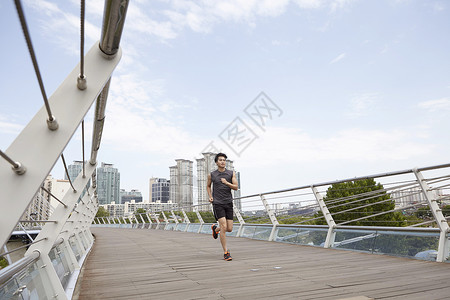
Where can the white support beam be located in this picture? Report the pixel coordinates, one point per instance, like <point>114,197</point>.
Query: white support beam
<point>165,220</point>
<point>241,221</point>
<point>331,235</point>
<point>272,217</point>
<point>69,105</point>
<point>199,216</point>
<point>51,230</point>
<point>438,216</point>
<point>186,219</point>
<point>175,218</point>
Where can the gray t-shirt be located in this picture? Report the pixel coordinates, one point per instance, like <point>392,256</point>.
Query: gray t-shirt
<point>221,192</point>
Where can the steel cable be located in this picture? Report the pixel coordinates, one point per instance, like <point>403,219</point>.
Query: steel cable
<point>26,33</point>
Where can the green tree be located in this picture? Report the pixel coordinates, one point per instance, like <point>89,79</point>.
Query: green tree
<point>424,213</point>
<point>361,187</point>
<point>192,217</point>
<point>3,262</point>
<point>208,217</point>
<point>101,213</point>
<point>144,216</point>
<point>446,210</point>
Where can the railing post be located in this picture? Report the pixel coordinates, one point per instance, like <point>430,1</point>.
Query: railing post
<point>272,217</point>
<point>200,219</point>
<point>157,221</point>
<point>137,221</point>
<point>331,235</point>
<point>56,290</point>
<point>175,219</point>
<point>186,219</point>
<point>240,219</point>
<point>165,219</point>
<point>438,216</point>
<point>150,221</point>
<point>143,221</point>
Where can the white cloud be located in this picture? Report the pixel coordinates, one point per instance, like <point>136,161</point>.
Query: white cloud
<point>360,105</point>
<point>276,43</point>
<point>139,118</point>
<point>435,105</point>
<point>291,146</point>
<point>309,4</point>
<point>166,23</point>
<point>63,26</point>
<point>10,127</point>
<point>140,22</point>
<point>438,6</point>
<point>340,4</point>
<point>338,58</point>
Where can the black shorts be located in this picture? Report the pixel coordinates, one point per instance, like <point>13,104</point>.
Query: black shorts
<point>223,210</point>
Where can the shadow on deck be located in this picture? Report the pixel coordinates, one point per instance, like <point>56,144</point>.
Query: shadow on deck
<point>157,264</point>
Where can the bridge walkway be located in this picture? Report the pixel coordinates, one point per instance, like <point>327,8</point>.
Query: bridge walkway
<point>157,264</point>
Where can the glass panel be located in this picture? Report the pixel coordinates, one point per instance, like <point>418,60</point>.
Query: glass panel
<point>30,282</point>
<point>60,265</point>
<point>248,231</point>
<point>193,227</point>
<point>8,289</point>
<point>181,227</point>
<point>170,226</point>
<point>82,239</point>
<point>74,247</point>
<point>262,232</point>
<point>286,235</point>
<point>420,245</point>
<point>206,228</point>
<point>235,230</point>
<point>302,236</point>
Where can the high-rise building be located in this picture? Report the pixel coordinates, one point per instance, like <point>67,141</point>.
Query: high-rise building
<point>205,166</point>
<point>181,184</point>
<point>108,184</point>
<point>159,190</point>
<point>237,194</point>
<point>43,205</point>
<point>73,170</point>
<point>128,196</point>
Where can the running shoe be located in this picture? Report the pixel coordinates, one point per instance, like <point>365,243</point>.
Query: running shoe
<point>227,256</point>
<point>214,233</point>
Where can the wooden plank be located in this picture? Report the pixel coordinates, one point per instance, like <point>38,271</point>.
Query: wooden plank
<point>144,264</point>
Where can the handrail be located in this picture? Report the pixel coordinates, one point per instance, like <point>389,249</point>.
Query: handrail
<point>347,180</point>
<point>8,272</point>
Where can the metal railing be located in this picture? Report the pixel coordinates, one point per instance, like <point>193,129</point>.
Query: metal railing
<point>375,214</point>
<point>52,261</point>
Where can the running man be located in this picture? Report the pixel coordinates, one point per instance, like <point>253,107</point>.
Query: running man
<point>223,181</point>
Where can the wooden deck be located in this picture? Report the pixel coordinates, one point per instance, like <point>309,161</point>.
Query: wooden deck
<point>156,264</point>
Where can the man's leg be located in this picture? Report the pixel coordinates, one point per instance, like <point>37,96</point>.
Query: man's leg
<point>229,225</point>
<point>223,229</point>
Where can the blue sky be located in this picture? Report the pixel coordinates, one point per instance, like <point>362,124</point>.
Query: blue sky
<point>362,87</point>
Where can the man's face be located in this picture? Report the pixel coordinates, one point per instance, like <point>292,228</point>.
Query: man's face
<point>221,162</point>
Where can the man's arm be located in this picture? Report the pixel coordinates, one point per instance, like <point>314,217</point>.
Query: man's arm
<point>234,184</point>
<point>208,188</point>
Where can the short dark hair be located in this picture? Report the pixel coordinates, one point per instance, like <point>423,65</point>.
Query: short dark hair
<point>219,155</point>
